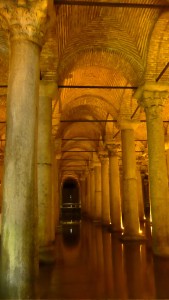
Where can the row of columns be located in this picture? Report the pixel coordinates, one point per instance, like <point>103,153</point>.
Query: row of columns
<point>20,232</point>
<point>104,193</point>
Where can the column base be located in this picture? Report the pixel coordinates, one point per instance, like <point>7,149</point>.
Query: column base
<point>133,238</point>
<point>47,255</point>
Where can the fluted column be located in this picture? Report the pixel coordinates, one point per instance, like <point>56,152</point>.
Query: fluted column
<point>130,190</point>
<point>19,222</point>
<point>44,161</point>
<point>152,96</point>
<point>98,192</point>
<point>115,197</point>
<point>105,188</point>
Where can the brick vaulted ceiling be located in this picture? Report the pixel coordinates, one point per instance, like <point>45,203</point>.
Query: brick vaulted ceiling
<point>120,45</point>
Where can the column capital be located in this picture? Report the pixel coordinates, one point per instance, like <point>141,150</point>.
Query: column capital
<point>26,19</point>
<point>152,94</point>
<point>125,123</point>
<point>113,149</point>
<point>103,156</point>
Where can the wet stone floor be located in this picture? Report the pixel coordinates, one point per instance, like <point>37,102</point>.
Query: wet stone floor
<point>92,263</point>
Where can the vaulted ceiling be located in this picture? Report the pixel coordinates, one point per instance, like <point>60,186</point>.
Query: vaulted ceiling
<point>98,54</point>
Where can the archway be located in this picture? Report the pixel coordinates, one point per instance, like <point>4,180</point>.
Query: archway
<point>70,206</point>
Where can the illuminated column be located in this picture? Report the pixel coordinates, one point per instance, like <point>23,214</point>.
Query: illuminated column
<point>92,192</point>
<point>105,187</point>
<point>1,180</point>
<point>151,96</point>
<point>140,195</point>
<point>115,197</point>
<point>88,202</point>
<point>20,218</point>
<point>98,192</point>
<point>83,193</point>
<point>130,190</point>
<point>167,154</point>
<point>44,162</point>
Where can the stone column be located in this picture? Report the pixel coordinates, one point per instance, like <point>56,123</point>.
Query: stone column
<point>1,180</point>
<point>20,218</point>
<point>115,197</point>
<point>88,201</point>
<point>140,195</point>
<point>105,188</point>
<point>98,192</point>
<point>152,96</point>
<point>44,163</point>
<point>57,191</point>
<point>130,190</point>
<point>83,193</point>
<point>92,193</point>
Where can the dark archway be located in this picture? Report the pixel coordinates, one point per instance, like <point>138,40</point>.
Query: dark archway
<point>71,208</point>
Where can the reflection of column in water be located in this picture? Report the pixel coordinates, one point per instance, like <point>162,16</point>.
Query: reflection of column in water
<point>100,262</point>
<point>120,289</point>
<point>133,270</point>
<point>108,267</point>
<point>85,241</point>
<point>147,273</point>
<point>93,248</point>
<point>161,272</point>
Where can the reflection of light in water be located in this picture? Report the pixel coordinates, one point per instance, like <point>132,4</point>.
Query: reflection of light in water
<point>70,230</point>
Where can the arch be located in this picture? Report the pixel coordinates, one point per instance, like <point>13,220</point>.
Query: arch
<point>158,50</point>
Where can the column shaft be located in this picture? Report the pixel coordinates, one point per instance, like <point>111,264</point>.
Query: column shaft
<point>105,191</point>
<point>159,195</point>
<point>130,191</point>
<point>98,193</point>
<point>140,196</point>
<point>19,222</point>
<point>92,193</point>
<point>115,198</point>
<point>46,232</point>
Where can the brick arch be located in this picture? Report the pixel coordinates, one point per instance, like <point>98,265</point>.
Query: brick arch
<point>102,34</point>
<point>103,57</point>
<point>90,100</point>
<point>158,50</point>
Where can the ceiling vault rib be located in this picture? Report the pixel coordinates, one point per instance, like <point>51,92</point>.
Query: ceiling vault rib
<point>111,4</point>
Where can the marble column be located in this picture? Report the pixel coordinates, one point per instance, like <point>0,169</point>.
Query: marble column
<point>98,192</point>
<point>115,197</point>
<point>83,194</point>
<point>44,163</point>
<point>57,191</point>
<point>92,193</point>
<point>152,96</point>
<point>105,188</point>
<point>88,196</point>
<point>1,180</point>
<point>20,218</point>
<point>130,190</point>
<point>140,195</point>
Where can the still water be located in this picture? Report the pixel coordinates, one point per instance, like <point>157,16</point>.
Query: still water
<point>92,263</point>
